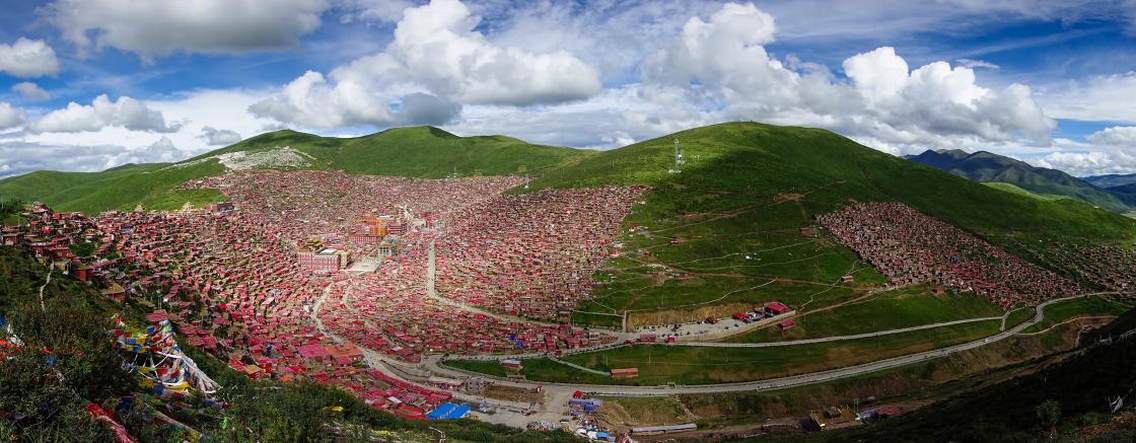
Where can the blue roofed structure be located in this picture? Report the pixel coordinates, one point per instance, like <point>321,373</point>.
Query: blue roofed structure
<point>449,411</point>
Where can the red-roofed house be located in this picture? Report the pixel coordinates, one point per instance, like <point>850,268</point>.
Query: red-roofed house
<point>315,352</point>
<point>777,308</point>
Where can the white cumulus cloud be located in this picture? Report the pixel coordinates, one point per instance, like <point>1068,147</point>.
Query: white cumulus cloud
<point>126,112</point>
<point>216,137</point>
<point>30,91</point>
<point>21,156</point>
<point>1116,136</point>
<point>436,63</point>
<point>161,151</point>
<point>28,58</point>
<point>976,64</point>
<point>1100,98</point>
<point>10,117</point>
<point>151,28</point>
<point>382,11</point>
<point>722,63</point>
<point>1090,162</point>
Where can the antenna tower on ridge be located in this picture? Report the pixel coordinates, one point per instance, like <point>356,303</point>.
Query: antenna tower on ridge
<point>678,160</point>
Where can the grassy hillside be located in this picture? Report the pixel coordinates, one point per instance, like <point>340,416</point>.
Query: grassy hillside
<point>728,228</point>
<point>414,152</point>
<point>153,186</point>
<point>1014,189</point>
<point>901,308</point>
<point>662,364</point>
<point>432,152</point>
<point>984,166</point>
<point>422,151</point>
<point>1079,387</point>
<point>734,162</point>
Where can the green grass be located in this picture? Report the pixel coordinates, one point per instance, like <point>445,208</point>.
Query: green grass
<point>431,152</point>
<point>175,200</point>
<point>902,308</point>
<point>661,364</point>
<point>1080,307</point>
<point>1014,189</point>
<point>738,165</point>
<point>1019,316</point>
<point>413,152</point>
<point>421,151</point>
<point>485,367</point>
<point>121,188</point>
<point>749,188</point>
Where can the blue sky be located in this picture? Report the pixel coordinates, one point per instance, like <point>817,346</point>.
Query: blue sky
<point>90,84</point>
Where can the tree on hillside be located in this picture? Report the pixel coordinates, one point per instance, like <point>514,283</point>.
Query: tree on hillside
<point>1049,413</point>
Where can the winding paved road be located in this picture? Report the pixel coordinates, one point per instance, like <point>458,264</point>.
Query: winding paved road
<point>432,364</point>
<point>808,341</point>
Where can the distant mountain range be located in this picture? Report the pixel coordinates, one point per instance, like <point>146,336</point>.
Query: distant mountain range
<point>1126,193</point>
<point>1110,180</point>
<point>1123,186</point>
<point>986,167</point>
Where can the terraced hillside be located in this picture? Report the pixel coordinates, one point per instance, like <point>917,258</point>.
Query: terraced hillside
<point>413,152</point>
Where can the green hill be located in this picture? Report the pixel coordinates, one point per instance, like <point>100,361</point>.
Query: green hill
<point>152,185</point>
<point>1014,189</point>
<point>731,228</point>
<point>730,163</point>
<point>984,166</point>
<point>422,151</point>
<point>414,152</point>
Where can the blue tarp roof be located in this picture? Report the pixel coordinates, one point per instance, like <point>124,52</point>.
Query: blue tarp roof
<point>442,411</point>
<point>449,411</point>
<point>458,412</point>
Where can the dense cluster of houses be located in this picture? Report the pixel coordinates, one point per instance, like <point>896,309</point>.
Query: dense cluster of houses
<point>49,236</point>
<point>234,281</point>
<point>388,311</point>
<point>230,286</point>
<point>301,204</point>
<point>1108,266</point>
<point>531,255</point>
<point>910,247</point>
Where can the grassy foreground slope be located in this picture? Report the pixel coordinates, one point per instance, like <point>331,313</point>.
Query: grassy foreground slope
<point>728,228</point>
<point>412,152</point>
